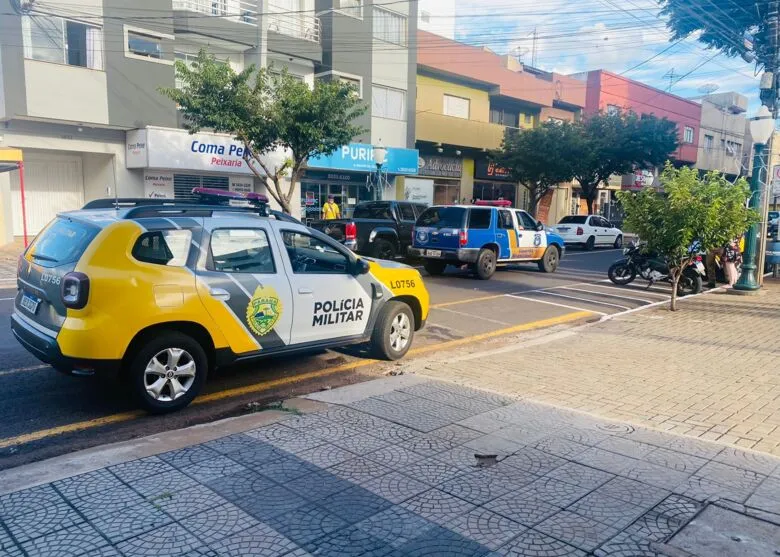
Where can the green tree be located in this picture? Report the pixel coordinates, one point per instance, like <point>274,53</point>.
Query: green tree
<point>708,210</point>
<point>268,112</point>
<point>616,144</point>
<point>538,158</point>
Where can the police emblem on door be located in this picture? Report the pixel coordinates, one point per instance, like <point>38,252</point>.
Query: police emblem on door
<point>263,311</point>
<point>537,240</point>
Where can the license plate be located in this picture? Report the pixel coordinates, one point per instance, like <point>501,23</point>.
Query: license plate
<point>29,303</point>
<point>700,267</point>
<point>433,253</point>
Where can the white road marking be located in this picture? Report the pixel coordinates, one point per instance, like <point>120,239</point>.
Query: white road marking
<point>587,300</point>
<point>595,252</point>
<point>609,295</point>
<point>554,304</point>
<point>6,299</point>
<point>643,291</point>
<point>22,369</point>
<point>472,316</point>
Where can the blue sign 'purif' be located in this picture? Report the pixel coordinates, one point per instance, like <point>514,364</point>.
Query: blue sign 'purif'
<point>358,157</point>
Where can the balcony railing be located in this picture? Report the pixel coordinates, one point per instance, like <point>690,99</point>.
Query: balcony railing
<point>438,128</point>
<point>280,20</point>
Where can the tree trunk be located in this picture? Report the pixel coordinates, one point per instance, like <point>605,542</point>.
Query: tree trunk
<point>673,305</point>
<point>533,203</point>
<point>589,202</point>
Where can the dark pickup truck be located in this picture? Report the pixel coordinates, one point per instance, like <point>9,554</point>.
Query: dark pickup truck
<point>381,229</point>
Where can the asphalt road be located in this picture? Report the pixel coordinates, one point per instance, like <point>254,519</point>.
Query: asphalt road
<point>44,414</point>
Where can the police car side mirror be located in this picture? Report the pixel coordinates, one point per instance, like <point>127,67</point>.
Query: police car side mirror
<point>360,267</point>
<point>539,226</point>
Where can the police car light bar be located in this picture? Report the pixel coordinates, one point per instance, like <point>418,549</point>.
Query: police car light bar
<point>211,196</point>
<point>497,203</point>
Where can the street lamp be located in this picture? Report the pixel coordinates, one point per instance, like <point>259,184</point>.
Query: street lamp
<point>761,128</point>
<point>380,156</point>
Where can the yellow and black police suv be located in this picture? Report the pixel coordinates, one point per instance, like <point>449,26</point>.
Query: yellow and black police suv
<point>166,293</point>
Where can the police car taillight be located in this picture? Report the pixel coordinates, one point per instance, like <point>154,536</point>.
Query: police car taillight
<point>350,231</point>
<point>463,236</point>
<point>75,290</point>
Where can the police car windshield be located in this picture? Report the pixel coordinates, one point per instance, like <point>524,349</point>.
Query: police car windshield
<point>442,217</point>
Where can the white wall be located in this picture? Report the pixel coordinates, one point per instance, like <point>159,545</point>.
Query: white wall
<point>68,93</point>
<point>2,86</point>
<point>6,210</point>
<point>442,17</point>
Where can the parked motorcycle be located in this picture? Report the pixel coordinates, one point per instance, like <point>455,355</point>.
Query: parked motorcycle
<point>654,268</point>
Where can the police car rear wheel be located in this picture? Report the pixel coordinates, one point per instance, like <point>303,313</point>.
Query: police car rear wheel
<point>394,332</point>
<point>486,264</point>
<point>550,260</point>
<point>168,372</point>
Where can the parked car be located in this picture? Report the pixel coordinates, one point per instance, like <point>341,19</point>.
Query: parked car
<point>772,223</point>
<point>484,238</point>
<point>589,231</point>
<point>381,229</point>
<point>166,294</point>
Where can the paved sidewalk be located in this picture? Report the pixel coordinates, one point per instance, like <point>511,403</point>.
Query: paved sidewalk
<point>387,468</point>
<point>9,255</point>
<point>709,371</point>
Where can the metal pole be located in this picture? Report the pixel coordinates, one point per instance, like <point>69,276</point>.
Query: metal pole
<point>763,231</point>
<point>748,281</point>
<point>24,208</point>
<point>261,20</point>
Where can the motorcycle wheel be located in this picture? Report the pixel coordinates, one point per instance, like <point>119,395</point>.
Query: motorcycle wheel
<point>621,274</point>
<point>690,283</point>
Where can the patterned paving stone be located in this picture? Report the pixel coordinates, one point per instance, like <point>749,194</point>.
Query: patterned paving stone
<point>678,508</point>
<point>633,492</point>
<point>440,542</point>
<point>527,512</point>
<point>654,527</point>
<point>258,540</point>
<point>42,521</point>
<point>318,485</point>
<point>354,505</point>
<point>271,503</point>
<point>427,445</point>
<point>693,447</point>
<point>559,446</point>
<point>580,475</point>
<point>188,456</point>
<point>438,506</point>
<point>536,544</point>
<point>438,409</point>
<point>191,501</point>
<point>534,461</point>
<point>392,433</point>
<point>455,434</point>
<point>395,526</point>
<point>588,437</point>
<point>218,523</point>
<point>493,444</point>
<point>419,421</point>
<point>505,472</point>
<point>431,471</point>
<point>207,470</point>
<point>72,541</point>
<point>577,530</point>
<point>361,444</point>
<point>168,540</point>
<point>675,460</point>
<point>655,474</point>
<point>354,417</point>
<point>159,484</point>
<point>131,522</point>
<point>395,456</point>
<point>395,487</point>
<point>704,489</point>
<point>555,492</point>
<point>86,484</point>
<point>359,470</point>
<point>522,435</point>
<point>256,456</point>
<point>307,421</point>
<point>737,479</point>
<point>607,510</point>
<point>473,405</point>
<point>332,431</point>
<point>624,545</point>
<point>22,502</point>
<point>307,524</point>
<point>626,447</point>
<point>460,457</point>
<point>243,484</point>
<point>748,460</point>
<point>394,397</point>
<point>605,460</point>
<point>351,542</point>
<point>142,468</point>
<point>487,528</point>
<point>107,502</point>
<point>231,443</point>
<point>106,551</point>
<point>287,469</point>
<point>298,443</point>
<point>478,488</point>
<point>273,432</point>
<point>769,488</point>
<point>483,424</point>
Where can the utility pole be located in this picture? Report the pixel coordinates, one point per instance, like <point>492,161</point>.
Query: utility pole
<point>671,76</point>
<point>262,33</point>
<point>533,47</point>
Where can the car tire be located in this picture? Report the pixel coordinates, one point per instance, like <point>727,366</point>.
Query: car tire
<point>486,264</point>
<point>393,332</point>
<point>619,242</point>
<point>590,244</point>
<point>550,260</point>
<point>383,249</point>
<point>153,358</point>
<point>434,268</point>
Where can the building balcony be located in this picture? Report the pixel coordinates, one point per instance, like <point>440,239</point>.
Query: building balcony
<point>438,128</point>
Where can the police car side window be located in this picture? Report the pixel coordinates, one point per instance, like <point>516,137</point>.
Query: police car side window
<point>505,220</point>
<point>526,221</point>
<point>163,247</point>
<point>241,250</point>
<point>310,255</point>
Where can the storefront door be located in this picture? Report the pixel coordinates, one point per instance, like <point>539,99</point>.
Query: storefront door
<point>494,191</point>
<point>347,196</point>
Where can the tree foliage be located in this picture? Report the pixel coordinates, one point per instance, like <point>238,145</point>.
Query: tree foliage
<point>268,112</point>
<point>708,212</point>
<point>539,158</point>
<point>617,144</point>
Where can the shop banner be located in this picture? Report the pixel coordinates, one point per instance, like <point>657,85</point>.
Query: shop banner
<point>441,167</point>
<point>418,191</point>
<point>158,185</point>
<point>357,157</point>
<point>488,170</point>
<point>240,184</point>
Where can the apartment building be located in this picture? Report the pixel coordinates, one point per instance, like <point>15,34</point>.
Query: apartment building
<point>79,94</point>
<point>722,133</point>
<point>466,99</point>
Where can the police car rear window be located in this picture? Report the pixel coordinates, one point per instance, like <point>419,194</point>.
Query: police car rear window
<point>62,242</point>
<point>573,219</point>
<point>442,217</point>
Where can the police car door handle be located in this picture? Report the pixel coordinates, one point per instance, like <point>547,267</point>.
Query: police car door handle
<point>499,235</point>
<point>305,291</point>
<point>220,294</point>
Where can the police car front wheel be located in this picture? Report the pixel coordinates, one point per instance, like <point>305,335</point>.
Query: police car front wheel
<point>393,332</point>
<point>168,372</point>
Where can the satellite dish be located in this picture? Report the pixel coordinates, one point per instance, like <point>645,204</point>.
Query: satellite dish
<point>709,88</point>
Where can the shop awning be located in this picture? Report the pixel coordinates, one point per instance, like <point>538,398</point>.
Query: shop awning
<point>10,159</point>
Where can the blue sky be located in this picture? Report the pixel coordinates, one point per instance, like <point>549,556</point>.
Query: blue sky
<point>615,35</point>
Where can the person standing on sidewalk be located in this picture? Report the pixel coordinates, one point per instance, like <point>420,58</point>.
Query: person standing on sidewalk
<point>331,211</point>
<point>731,256</point>
<point>712,268</point>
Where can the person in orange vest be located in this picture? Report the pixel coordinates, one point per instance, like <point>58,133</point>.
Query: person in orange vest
<point>330,210</point>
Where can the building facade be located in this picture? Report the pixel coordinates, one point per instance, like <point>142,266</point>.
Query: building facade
<point>438,17</point>
<point>79,93</point>
<point>722,133</point>
<point>467,97</point>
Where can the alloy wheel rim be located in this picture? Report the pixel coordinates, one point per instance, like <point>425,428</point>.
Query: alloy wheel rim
<point>400,332</point>
<point>169,375</point>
